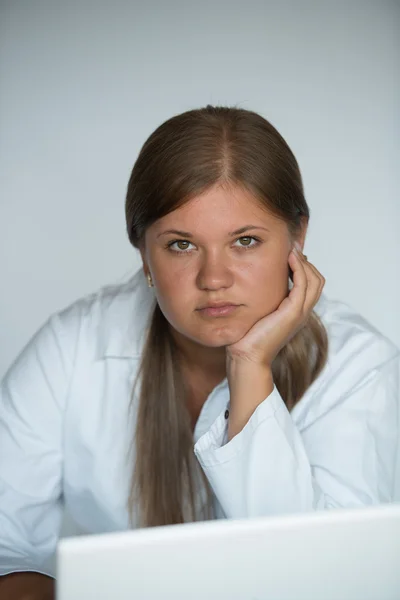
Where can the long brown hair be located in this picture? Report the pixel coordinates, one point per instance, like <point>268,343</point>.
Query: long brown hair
<point>182,158</point>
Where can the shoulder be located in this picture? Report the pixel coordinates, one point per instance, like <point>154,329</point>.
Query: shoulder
<point>361,370</point>
<point>351,335</point>
<point>357,350</point>
<point>110,321</point>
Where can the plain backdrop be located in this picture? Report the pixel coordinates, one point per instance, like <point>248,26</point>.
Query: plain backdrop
<point>82,85</point>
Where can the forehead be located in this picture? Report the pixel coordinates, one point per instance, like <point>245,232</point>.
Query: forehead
<point>220,209</point>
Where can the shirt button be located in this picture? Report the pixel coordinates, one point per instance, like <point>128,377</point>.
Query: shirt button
<point>226,414</point>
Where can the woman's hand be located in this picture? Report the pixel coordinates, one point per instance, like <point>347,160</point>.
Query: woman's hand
<point>248,361</point>
<point>267,337</point>
<point>26,585</point>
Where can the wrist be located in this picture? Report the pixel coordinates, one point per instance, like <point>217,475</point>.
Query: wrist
<point>240,368</point>
<point>249,385</point>
<point>250,381</point>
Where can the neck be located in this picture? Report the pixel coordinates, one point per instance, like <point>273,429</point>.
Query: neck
<point>199,359</point>
<point>203,368</point>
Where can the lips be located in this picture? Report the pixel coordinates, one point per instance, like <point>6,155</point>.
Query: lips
<point>218,310</point>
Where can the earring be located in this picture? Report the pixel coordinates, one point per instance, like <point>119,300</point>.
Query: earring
<point>149,280</point>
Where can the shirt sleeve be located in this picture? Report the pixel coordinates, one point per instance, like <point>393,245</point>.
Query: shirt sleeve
<point>32,396</point>
<point>343,455</point>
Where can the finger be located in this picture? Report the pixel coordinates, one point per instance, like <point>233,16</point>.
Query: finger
<point>314,283</point>
<point>321,279</point>
<point>315,286</point>
<point>298,293</point>
<point>315,271</point>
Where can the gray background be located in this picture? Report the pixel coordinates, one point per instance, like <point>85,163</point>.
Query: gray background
<point>82,84</point>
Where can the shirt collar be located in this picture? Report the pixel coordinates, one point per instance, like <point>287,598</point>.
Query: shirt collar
<point>124,315</point>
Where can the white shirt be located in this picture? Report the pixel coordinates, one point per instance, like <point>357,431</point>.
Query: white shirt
<point>65,428</point>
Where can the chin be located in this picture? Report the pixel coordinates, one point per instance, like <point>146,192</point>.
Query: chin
<point>223,336</point>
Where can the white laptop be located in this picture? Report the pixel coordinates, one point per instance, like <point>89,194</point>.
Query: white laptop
<point>331,555</point>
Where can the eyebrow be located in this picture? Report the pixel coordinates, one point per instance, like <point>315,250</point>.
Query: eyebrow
<point>187,234</point>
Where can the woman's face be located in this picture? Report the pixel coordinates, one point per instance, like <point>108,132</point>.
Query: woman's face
<point>221,247</point>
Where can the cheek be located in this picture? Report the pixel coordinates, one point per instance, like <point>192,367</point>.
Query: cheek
<point>267,283</point>
<point>174,297</point>
<point>268,271</point>
<point>171,273</point>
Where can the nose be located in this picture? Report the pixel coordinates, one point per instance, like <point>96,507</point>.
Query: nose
<point>214,273</point>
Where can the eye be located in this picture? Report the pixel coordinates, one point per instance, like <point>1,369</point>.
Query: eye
<point>182,246</point>
<point>245,241</point>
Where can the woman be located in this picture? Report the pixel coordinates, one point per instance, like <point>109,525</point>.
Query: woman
<point>287,398</point>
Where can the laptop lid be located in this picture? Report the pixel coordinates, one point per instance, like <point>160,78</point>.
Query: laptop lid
<point>330,555</point>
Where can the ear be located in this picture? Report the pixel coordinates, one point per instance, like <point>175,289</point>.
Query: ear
<point>142,251</point>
